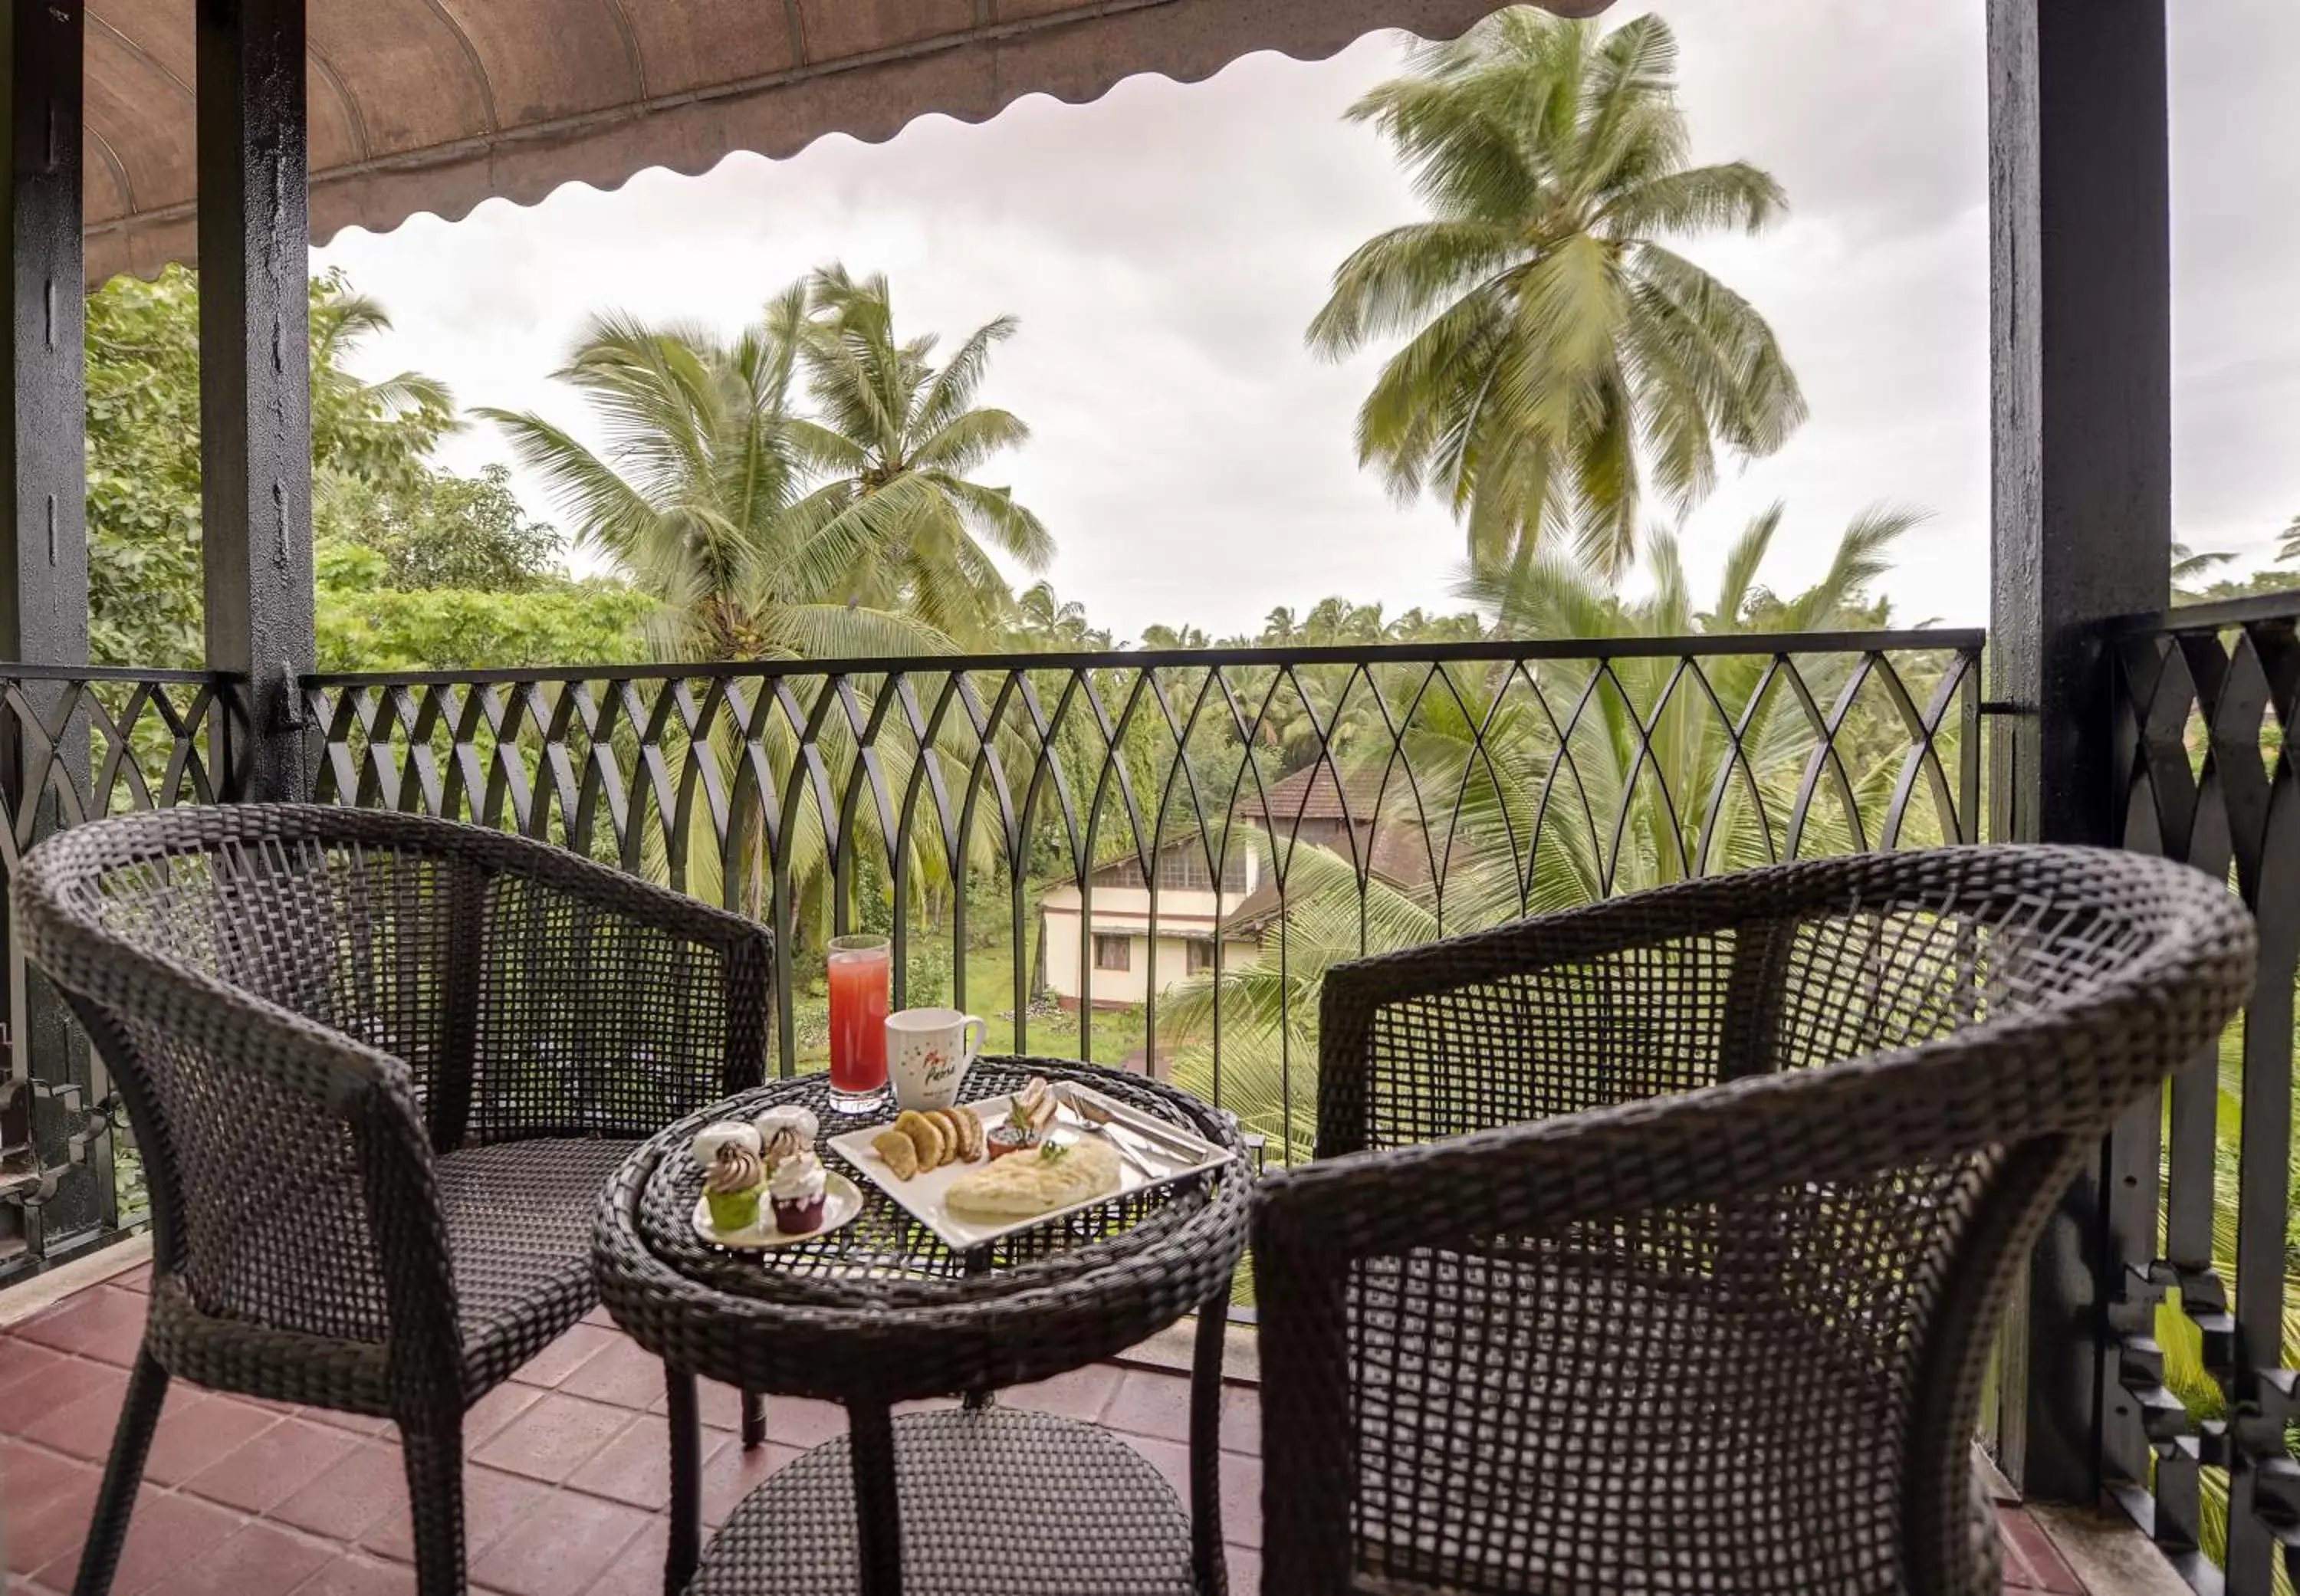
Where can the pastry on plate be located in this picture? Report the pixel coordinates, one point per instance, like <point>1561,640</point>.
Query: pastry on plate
<point>971,1134</point>
<point>732,1188</point>
<point>925,1134</point>
<point>797,1189</point>
<point>710,1138</point>
<point>781,1145</point>
<point>1058,1174</point>
<point>794,1116</point>
<point>899,1152</point>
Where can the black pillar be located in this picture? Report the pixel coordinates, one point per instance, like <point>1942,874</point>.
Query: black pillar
<point>255,410</point>
<point>2080,346</point>
<point>44,747</point>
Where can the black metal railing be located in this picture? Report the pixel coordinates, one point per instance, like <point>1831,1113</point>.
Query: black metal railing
<point>2198,1402</point>
<point>1151,858</point>
<point>74,743</point>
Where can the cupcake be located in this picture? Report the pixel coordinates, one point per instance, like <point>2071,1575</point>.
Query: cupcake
<point>797,1189</point>
<point>732,1188</point>
<point>783,1145</point>
<point>794,1116</point>
<point>710,1138</point>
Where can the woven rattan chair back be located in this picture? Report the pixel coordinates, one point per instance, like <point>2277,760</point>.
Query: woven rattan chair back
<point>1658,1245</point>
<point>352,1045</point>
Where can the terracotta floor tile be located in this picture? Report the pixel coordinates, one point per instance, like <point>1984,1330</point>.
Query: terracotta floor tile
<point>46,1507</point>
<point>634,1466</point>
<point>138,1279</point>
<point>344,1502</point>
<point>623,1372</point>
<point>61,1383</point>
<point>1241,1499</point>
<point>720,1406</point>
<point>1245,1566</point>
<point>2037,1561</point>
<point>358,1424</point>
<point>553,1438</point>
<point>21,1361</point>
<point>351,1575</point>
<point>166,1533</point>
<point>1172,1459</point>
<point>260,1560</point>
<point>637,1569</point>
<point>199,1429</point>
<point>564,1356</point>
<point>1082,1393</point>
<point>1151,1404</point>
<point>802,1422</point>
<point>1241,1419</point>
<point>487,1417</point>
<point>103,1322</point>
<point>493,1503</point>
<point>83,1427</point>
<point>273,1466</point>
<point>564,1546</point>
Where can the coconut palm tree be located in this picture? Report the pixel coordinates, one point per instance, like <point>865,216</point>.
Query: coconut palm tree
<point>901,522</point>
<point>696,493</point>
<point>2287,546</point>
<point>1559,353</point>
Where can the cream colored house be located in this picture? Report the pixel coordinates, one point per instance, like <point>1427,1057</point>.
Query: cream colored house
<point>1126,955</point>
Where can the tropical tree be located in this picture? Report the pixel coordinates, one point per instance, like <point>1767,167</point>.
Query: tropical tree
<point>902,523</point>
<point>696,493</point>
<point>1558,354</point>
<point>2287,546</point>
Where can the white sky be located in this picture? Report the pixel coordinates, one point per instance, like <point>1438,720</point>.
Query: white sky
<point>1164,247</point>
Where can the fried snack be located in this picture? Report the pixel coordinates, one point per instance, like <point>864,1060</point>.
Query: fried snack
<point>925,1134</point>
<point>901,1153</point>
<point>1057,1175</point>
<point>940,1118</point>
<point>969,1133</point>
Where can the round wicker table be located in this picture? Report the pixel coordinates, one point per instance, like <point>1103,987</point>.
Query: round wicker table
<point>972,1502</point>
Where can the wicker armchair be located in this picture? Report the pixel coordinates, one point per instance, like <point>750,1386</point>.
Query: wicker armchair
<point>379,1068</point>
<point>1716,1319</point>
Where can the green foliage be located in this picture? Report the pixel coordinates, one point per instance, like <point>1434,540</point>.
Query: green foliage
<point>443,530</point>
<point>418,568</point>
<point>368,623</point>
<point>1558,353</point>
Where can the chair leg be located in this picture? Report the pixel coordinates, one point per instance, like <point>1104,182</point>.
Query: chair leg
<point>107,1531</point>
<point>754,1421</point>
<point>434,1456</point>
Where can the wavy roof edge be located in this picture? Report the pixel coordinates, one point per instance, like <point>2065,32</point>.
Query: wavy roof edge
<point>139,142</point>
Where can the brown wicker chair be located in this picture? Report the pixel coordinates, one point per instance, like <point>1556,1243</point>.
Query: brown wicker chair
<point>1717,1319</point>
<point>379,1068</point>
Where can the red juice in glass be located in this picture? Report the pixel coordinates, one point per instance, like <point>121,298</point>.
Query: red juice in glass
<point>860,968</point>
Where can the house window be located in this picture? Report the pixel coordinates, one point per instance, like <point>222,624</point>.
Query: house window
<point>1113,952</point>
<point>1198,958</point>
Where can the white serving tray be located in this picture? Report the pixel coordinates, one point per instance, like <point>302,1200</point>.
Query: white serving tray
<point>923,1195</point>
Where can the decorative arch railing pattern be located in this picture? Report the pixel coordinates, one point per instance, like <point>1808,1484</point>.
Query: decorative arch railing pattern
<point>1002,817</point>
<point>77,742</point>
<point>2199,1396</point>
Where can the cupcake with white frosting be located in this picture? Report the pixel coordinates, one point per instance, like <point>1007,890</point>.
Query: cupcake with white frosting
<point>796,1190</point>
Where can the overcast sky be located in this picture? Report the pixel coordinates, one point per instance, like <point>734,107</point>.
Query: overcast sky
<point>1164,247</point>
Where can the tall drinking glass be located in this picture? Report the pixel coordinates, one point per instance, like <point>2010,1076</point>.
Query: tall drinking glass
<point>860,968</point>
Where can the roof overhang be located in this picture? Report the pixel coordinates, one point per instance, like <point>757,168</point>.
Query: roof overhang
<point>434,105</point>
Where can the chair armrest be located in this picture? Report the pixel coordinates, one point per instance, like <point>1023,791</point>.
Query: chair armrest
<point>590,1003</point>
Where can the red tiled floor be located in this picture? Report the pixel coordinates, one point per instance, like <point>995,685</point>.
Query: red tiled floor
<point>266,1470</point>
<point>566,1476</point>
<point>198,1430</point>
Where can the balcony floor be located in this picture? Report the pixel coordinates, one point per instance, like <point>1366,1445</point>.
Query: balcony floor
<point>567,1481</point>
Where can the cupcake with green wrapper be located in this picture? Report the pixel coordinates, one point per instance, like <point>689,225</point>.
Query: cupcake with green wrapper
<point>738,1178</point>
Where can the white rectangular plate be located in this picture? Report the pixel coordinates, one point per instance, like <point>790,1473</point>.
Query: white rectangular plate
<point>922,1194</point>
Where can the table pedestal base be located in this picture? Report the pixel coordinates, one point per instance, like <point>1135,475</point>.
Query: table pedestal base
<point>998,1502</point>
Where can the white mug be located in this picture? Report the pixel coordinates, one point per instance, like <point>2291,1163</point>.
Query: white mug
<point>929,1052</point>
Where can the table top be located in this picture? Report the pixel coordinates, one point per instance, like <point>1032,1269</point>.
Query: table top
<point>1072,1289</point>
